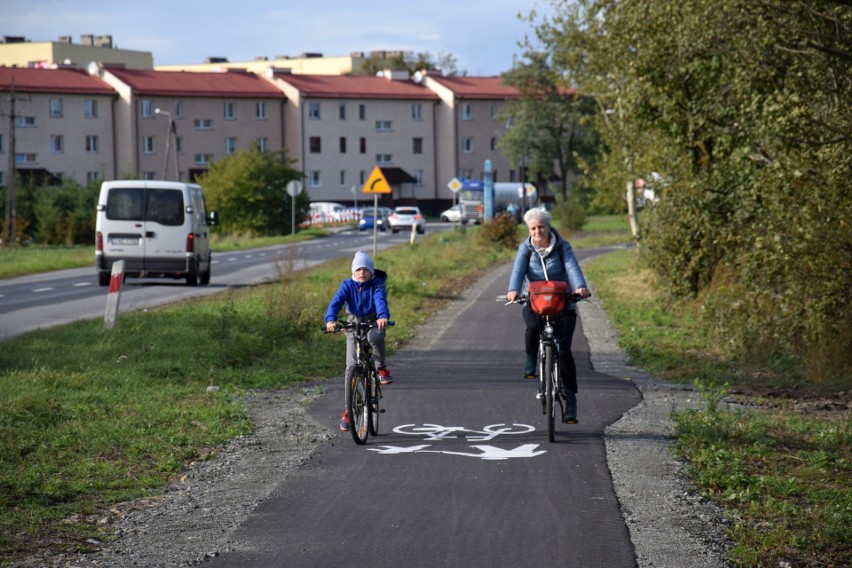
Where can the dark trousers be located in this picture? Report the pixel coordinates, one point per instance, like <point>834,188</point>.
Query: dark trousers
<point>563,326</point>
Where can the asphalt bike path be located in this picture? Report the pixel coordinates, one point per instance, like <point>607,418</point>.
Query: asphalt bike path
<point>461,473</point>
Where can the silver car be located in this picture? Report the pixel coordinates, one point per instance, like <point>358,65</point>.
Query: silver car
<point>405,217</point>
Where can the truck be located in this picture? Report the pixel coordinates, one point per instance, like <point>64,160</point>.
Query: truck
<point>472,198</point>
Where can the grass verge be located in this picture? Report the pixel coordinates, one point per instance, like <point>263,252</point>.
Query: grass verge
<point>781,466</point>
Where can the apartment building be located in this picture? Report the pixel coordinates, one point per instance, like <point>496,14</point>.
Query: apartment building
<point>116,122</point>
<point>339,127</point>
<point>215,114</point>
<point>60,122</point>
<point>21,52</point>
<point>469,126</point>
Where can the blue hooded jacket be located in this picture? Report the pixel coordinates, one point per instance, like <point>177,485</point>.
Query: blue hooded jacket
<point>564,267</point>
<point>362,300</point>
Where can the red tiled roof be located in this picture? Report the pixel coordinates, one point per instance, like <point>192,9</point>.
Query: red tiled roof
<point>356,87</point>
<point>62,80</point>
<point>477,87</point>
<point>195,84</point>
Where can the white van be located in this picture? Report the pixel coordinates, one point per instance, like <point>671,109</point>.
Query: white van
<point>160,229</point>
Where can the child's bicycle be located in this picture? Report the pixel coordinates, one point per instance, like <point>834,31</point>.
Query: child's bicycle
<point>550,384</point>
<point>363,391</point>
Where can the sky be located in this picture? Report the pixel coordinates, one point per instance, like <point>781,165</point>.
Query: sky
<point>483,35</point>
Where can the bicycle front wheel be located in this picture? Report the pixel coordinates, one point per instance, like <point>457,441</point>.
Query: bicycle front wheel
<point>358,405</point>
<point>550,392</point>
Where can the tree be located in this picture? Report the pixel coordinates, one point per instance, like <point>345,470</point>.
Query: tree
<point>548,122</point>
<point>744,106</point>
<point>249,190</point>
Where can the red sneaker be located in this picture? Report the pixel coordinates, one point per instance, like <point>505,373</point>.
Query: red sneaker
<point>344,421</point>
<point>385,376</point>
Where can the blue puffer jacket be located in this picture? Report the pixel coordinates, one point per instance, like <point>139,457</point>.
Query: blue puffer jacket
<point>527,267</point>
<point>361,300</point>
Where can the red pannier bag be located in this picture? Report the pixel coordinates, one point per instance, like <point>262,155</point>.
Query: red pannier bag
<point>547,297</point>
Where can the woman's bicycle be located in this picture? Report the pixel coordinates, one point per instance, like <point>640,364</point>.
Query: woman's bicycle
<point>550,390</point>
<point>363,391</point>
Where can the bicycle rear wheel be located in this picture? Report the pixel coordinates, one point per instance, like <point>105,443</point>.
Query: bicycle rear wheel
<point>358,405</point>
<point>375,395</point>
<point>550,392</point>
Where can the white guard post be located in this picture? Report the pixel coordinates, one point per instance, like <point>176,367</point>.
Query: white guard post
<point>114,294</point>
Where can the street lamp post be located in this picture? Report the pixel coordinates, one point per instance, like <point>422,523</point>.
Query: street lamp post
<point>171,132</point>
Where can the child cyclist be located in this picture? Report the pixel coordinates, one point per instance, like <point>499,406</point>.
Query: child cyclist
<point>365,298</point>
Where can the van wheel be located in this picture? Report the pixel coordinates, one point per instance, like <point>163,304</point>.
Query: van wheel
<point>192,279</point>
<point>104,278</point>
<point>205,278</point>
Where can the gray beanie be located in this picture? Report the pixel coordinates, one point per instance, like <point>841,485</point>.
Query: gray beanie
<point>362,260</point>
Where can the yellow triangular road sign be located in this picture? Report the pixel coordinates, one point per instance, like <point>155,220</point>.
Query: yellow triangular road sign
<point>376,183</point>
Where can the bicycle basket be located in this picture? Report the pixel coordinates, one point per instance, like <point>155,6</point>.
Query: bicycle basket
<point>547,297</point>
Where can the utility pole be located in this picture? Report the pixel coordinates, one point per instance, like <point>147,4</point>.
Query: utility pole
<point>11,210</point>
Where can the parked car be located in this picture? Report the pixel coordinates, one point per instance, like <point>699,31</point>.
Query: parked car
<point>368,217</point>
<point>452,215</point>
<point>405,217</point>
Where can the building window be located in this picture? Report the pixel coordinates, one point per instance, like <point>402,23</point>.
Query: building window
<point>2,179</point>
<point>203,159</point>
<point>56,143</point>
<point>231,145</point>
<point>417,146</point>
<point>362,145</point>
<point>90,108</point>
<point>148,145</point>
<point>179,144</point>
<point>91,144</point>
<point>178,109</point>
<point>1,143</point>
<point>93,176</point>
<point>341,111</point>
<point>362,111</point>
<point>416,112</point>
<point>25,122</point>
<point>493,112</point>
<point>260,110</point>
<point>467,114</point>
<point>467,145</point>
<point>147,108</point>
<point>342,178</point>
<point>362,176</point>
<point>230,111</point>
<point>493,143</point>
<point>148,175</point>
<point>203,124</point>
<point>55,108</point>
<point>384,126</point>
<point>384,158</point>
<point>263,143</point>
<point>418,177</point>
<point>314,111</point>
<point>342,144</point>
<point>26,158</point>
<point>315,145</point>
<point>314,178</point>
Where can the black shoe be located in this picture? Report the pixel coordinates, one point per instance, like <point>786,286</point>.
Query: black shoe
<point>569,413</point>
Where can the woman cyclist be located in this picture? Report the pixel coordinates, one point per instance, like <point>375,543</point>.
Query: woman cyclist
<point>546,252</point>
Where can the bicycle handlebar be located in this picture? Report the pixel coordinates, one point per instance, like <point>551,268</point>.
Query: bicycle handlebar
<point>349,325</point>
<point>525,298</point>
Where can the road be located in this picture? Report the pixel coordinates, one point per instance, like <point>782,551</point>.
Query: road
<point>56,298</point>
<point>461,473</point>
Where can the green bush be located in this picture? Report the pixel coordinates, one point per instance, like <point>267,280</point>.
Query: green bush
<point>501,231</point>
<point>569,213</point>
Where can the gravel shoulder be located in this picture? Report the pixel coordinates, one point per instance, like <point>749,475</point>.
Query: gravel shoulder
<point>194,518</point>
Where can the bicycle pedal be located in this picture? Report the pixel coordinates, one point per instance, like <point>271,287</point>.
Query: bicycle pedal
<point>539,396</point>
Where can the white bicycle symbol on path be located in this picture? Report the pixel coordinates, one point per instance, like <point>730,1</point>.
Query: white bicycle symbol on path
<point>435,432</point>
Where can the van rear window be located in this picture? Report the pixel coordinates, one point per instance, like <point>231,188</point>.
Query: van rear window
<point>164,206</point>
